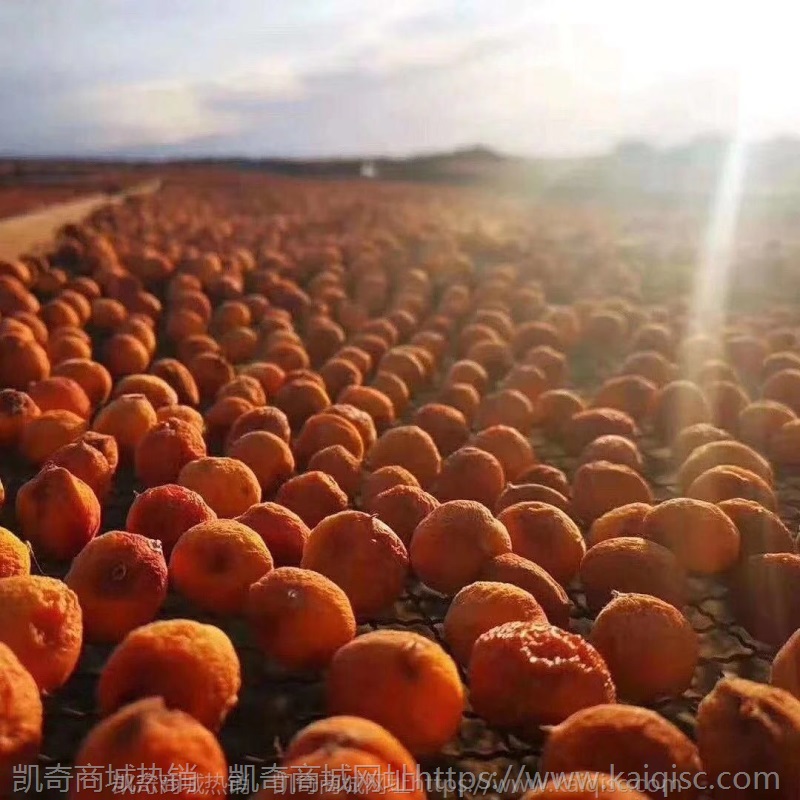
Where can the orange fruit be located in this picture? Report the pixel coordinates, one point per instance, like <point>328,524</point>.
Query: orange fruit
<point>547,536</point>
<point>299,617</point>
<point>452,545</point>
<point>192,666</point>
<point>214,563</point>
<point>147,735</point>
<point>484,605</point>
<point>402,681</point>
<point>120,579</point>
<point>649,646</point>
<point>227,485</point>
<point>41,621</point>
<point>22,714</point>
<point>360,554</point>
<point>524,674</point>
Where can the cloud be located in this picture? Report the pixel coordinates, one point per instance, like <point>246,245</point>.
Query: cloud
<point>354,76</point>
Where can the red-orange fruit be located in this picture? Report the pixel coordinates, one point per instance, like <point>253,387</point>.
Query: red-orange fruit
<point>155,389</point>
<point>301,399</point>
<point>783,387</point>
<point>649,646</point>
<point>452,545</point>
<point>613,448</point>
<point>625,740</point>
<point>284,533</point>
<point>484,605</point>
<point>532,492</point>
<point>764,596</point>
<point>164,513</point>
<point>127,419</point>
<point>210,371</point>
<point>694,437</point>
<point>228,485</point>
<point>760,530</point>
<point>761,420</point>
<point>469,372</point>
<point>401,680</point>
<point>40,621</point>
<point>586,426</point>
<point>462,396</point>
<point>551,361</point>
<point>631,394</point>
<point>147,735</point>
<point>324,430</point>
<point>547,536</point>
<point>470,474</point>
<point>509,446</point>
<point>337,374</point>
<point>600,487</point>
<point>534,579</point>
<point>245,387</point>
<point>383,479</point>
<point>178,376</point>
<point>94,378</point>
<point>505,407</point>
<point>267,418</point>
<point>16,410</point>
<point>394,387</point>
<point>676,406</point>
<point>312,496</point>
<point>125,354</point>
<point>727,401</point>
<point>362,555</point>
<point>784,447</point>
<point>410,447</point>
<point>528,379</point>
<point>223,413</point>
<point>746,728</point>
<point>632,564</point>
<point>332,733</point>
<point>402,508</point>
<point>523,675</point>
<point>86,462</point>
<point>360,419</point>
<point>554,409</point>
<point>726,453</point>
<point>15,556</point>
<point>446,425</point>
<point>165,449</point>
<point>546,475</point>
<point>22,719</point>
<point>191,665</point>
<point>269,457</point>
<point>728,482</point>
<point>120,579</point>
<point>59,393</point>
<point>702,537</point>
<point>338,462</point>
<point>22,362</point>
<point>46,433</point>
<point>776,362</point>
<point>57,512</point>
<point>214,563</point>
<point>299,618</point>
<point>372,401</point>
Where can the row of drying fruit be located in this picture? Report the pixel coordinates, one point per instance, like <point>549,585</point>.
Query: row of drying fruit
<point>265,373</point>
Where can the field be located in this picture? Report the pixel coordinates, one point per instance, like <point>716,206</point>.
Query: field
<point>250,423</point>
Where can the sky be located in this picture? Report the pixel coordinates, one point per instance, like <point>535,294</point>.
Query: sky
<point>372,77</point>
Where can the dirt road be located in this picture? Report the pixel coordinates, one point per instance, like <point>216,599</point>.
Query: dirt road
<point>29,232</point>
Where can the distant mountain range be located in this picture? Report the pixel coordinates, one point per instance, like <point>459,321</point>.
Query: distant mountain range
<point>632,170</point>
